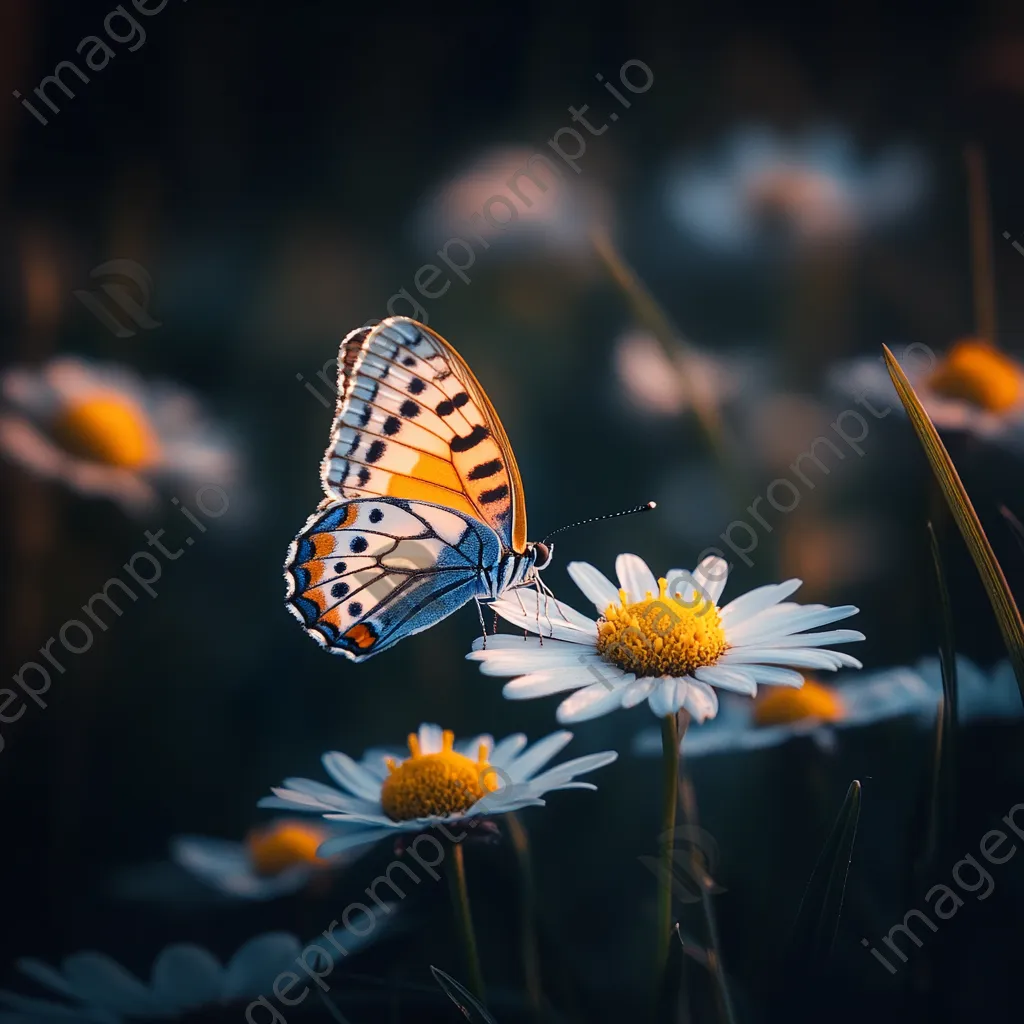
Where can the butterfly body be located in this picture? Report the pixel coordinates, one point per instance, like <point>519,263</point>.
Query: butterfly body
<point>424,509</point>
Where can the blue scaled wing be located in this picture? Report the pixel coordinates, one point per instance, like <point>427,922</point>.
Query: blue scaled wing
<point>365,573</point>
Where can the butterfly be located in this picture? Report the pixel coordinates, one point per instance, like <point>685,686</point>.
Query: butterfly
<point>424,507</point>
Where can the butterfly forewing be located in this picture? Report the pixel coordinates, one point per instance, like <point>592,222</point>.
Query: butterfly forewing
<point>413,423</point>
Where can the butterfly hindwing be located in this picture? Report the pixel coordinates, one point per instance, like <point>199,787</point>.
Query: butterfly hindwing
<point>413,423</point>
<point>366,572</point>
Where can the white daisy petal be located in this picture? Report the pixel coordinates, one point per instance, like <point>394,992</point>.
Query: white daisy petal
<point>754,601</point>
<point>351,776</point>
<point>548,681</point>
<point>752,630</point>
<point>832,636</point>
<point>635,578</point>
<point>668,696</point>
<point>352,838</point>
<point>595,585</point>
<point>590,702</point>
<point>296,801</point>
<point>496,642</point>
<point>524,766</point>
<point>795,657</point>
<point>771,676</point>
<point>727,679</point>
<point>701,701</point>
<point>545,616</point>
<point>637,691</point>
<point>505,750</point>
<point>561,775</point>
<point>711,576</point>
<point>510,663</point>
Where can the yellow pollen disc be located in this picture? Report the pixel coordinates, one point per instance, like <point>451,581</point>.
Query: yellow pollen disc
<point>442,784</point>
<point>978,373</point>
<point>661,636</point>
<point>107,428</point>
<point>781,705</point>
<point>284,845</point>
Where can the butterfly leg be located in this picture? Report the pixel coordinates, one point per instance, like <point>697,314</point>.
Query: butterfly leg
<point>483,625</point>
<point>522,607</point>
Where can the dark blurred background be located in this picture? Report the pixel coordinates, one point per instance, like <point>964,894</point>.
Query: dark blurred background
<point>272,166</point>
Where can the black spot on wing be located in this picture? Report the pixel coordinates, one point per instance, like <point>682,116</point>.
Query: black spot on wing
<point>358,544</point>
<point>375,451</point>
<point>340,567</point>
<point>416,386</point>
<point>409,409</point>
<point>449,405</point>
<point>485,469</point>
<point>493,495</point>
<point>471,440</point>
<point>409,361</point>
<point>392,425</point>
<point>376,515</point>
<point>339,590</point>
<point>355,609</point>
<point>364,476</point>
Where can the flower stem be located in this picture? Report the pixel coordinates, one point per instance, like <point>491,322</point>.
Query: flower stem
<point>460,905</point>
<point>670,782</point>
<point>528,904</point>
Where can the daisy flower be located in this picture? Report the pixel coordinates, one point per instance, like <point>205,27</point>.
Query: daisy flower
<point>185,979</point>
<point>273,861</point>
<point>107,433</point>
<point>438,782</point>
<point>816,709</point>
<point>665,641</point>
<point>973,388</point>
<point>814,186</point>
<point>518,195</point>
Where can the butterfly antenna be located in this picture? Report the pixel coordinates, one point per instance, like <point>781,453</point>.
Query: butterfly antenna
<point>597,519</point>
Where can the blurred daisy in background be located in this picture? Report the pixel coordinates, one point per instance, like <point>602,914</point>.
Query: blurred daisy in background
<point>105,432</point>
<point>518,195</point>
<point>815,709</point>
<point>761,188</point>
<point>665,641</point>
<point>659,384</point>
<point>185,979</point>
<point>981,695</point>
<point>974,388</point>
<point>273,861</point>
<point>437,782</point>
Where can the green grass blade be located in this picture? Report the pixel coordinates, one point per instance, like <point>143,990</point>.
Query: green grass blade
<point>1006,611</point>
<point>470,1007</point>
<point>818,918</point>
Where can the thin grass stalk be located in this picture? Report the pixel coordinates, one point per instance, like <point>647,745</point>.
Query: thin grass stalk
<point>459,892</point>
<point>528,918</point>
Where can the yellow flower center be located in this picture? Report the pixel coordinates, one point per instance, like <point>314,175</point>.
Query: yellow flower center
<point>107,428</point>
<point>283,845</point>
<point>978,373</point>
<point>781,705</point>
<point>661,636</point>
<point>442,784</point>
